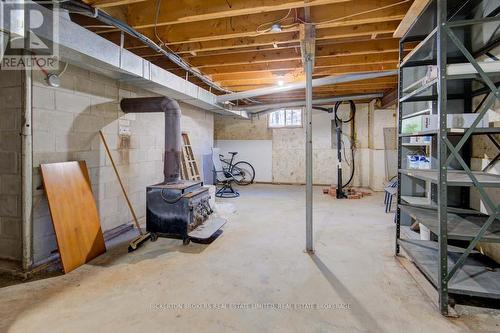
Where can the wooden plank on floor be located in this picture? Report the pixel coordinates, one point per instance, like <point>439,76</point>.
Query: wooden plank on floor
<point>74,213</point>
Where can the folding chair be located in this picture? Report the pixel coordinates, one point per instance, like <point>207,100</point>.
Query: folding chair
<point>222,178</point>
<point>390,190</point>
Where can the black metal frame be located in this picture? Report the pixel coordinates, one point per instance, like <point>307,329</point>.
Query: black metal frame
<point>446,150</point>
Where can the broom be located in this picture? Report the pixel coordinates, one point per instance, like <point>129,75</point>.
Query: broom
<point>139,240</point>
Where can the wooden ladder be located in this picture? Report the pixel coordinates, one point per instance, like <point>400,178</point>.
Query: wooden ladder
<point>189,170</point>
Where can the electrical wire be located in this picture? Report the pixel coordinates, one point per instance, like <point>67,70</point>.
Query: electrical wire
<point>158,5</point>
<point>272,22</point>
<point>338,122</point>
<point>64,69</point>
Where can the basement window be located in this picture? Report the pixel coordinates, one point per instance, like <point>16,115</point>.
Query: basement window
<point>285,118</point>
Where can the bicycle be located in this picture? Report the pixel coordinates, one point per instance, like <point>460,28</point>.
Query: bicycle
<point>242,172</point>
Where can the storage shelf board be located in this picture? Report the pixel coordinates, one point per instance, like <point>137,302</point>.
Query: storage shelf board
<point>479,276</point>
<point>418,113</point>
<point>415,200</point>
<point>460,226</point>
<point>418,91</point>
<point>409,144</point>
<point>455,131</point>
<point>455,177</point>
<point>422,47</point>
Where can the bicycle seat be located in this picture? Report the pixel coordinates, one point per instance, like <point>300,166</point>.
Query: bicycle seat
<point>232,152</point>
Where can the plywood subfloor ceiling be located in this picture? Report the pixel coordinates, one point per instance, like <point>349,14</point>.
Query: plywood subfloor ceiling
<point>230,40</point>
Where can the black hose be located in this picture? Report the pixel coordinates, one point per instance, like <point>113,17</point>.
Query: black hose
<point>339,122</point>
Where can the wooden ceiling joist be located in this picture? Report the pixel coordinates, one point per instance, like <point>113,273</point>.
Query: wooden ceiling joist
<point>246,26</point>
<point>185,11</point>
<point>323,51</point>
<point>279,66</point>
<point>230,41</point>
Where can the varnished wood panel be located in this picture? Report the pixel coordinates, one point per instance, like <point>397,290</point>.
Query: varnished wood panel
<point>74,213</point>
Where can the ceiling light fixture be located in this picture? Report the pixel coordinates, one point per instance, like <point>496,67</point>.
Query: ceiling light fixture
<point>276,27</point>
<point>281,82</point>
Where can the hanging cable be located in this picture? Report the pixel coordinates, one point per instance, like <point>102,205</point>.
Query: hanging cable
<point>338,123</point>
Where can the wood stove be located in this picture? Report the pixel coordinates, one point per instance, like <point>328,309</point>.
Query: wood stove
<point>175,208</point>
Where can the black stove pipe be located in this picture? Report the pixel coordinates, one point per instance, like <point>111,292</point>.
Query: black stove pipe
<point>173,138</point>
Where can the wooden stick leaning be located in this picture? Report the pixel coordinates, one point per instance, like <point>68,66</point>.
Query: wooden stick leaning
<point>136,222</point>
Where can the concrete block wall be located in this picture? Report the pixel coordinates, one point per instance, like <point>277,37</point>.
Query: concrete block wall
<point>289,149</point>
<point>11,107</point>
<point>288,157</point>
<point>381,160</point>
<point>66,121</point>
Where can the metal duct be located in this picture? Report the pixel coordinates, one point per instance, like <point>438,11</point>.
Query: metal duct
<point>100,15</point>
<point>324,81</point>
<point>264,108</point>
<point>173,139</point>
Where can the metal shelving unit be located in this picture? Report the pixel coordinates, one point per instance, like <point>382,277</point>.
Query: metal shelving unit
<point>445,32</point>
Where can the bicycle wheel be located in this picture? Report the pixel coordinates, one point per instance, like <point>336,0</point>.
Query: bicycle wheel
<point>243,173</point>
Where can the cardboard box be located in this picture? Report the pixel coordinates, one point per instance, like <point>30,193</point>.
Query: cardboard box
<point>430,122</point>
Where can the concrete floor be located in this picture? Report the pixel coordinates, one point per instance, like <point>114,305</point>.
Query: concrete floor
<point>258,261</point>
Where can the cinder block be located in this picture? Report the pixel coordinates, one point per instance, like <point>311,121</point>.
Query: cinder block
<point>11,97</point>
<point>73,142</point>
<point>83,86</point>
<point>107,207</point>
<point>111,91</point>
<point>10,141</point>
<point>42,227</point>
<point>10,248</point>
<point>50,120</point>
<point>9,162</point>
<point>11,227</point>
<point>92,158</point>
<point>85,123</point>
<point>40,206</point>
<point>112,189</point>
<point>43,246</point>
<point>10,78</point>
<point>9,205</point>
<point>10,118</point>
<point>44,141</point>
<point>69,102</point>
<point>43,98</point>
<point>11,184</point>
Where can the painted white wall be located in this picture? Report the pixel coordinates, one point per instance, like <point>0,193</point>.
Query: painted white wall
<point>258,153</point>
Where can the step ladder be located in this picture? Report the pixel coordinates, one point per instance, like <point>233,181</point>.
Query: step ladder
<point>189,169</point>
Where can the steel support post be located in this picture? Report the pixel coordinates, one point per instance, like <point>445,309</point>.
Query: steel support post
<point>442,158</point>
<point>400,146</point>
<point>309,186</point>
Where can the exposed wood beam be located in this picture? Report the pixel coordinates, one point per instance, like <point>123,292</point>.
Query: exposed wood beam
<point>307,36</point>
<point>270,79</point>
<point>390,98</point>
<point>415,10</point>
<point>246,26</point>
<point>335,50</point>
<point>277,66</point>
<point>332,93</point>
<point>176,12</point>
<point>296,77</point>
<point>258,83</point>
<point>276,40</point>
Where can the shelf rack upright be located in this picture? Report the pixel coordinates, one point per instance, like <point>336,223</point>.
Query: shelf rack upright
<point>444,33</point>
